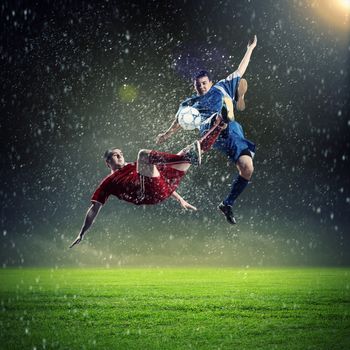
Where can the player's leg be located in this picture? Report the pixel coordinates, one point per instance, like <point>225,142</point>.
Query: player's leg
<point>158,158</point>
<point>148,160</point>
<point>209,138</point>
<point>195,150</point>
<point>245,167</point>
<point>143,165</point>
<point>241,152</point>
<point>212,134</point>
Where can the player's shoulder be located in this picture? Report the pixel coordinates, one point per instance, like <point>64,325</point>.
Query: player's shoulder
<point>126,169</point>
<point>106,180</point>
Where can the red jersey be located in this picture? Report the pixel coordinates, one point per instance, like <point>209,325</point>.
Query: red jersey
<point>130,186</point>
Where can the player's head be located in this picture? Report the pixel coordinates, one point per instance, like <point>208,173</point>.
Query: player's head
<point>202,82</point>
<point>114,158</point>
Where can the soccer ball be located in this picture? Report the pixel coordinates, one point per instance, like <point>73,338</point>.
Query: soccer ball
<point>189,118</point>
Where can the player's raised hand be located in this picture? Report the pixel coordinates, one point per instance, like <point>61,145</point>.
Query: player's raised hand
<point>76,241</point>
<point>252,43</point>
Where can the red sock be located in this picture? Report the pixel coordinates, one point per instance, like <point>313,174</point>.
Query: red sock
<point>211,136</point>
<point>156,158</point>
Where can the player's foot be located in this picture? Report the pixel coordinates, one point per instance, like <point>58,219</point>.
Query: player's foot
<point>193,153</point>
<point>241,90</point>
<point>227,211</point>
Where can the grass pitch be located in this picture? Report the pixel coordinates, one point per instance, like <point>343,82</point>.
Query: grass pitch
<point>175,308</point>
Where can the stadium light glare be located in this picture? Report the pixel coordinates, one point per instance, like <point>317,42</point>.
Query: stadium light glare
<point>345,3</point>
<point>335,13</point>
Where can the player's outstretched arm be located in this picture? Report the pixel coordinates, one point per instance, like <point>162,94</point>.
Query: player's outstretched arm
<point>245,61</point>
<point>182,202</point>
<point>175,126</point>
<point>89,219</point>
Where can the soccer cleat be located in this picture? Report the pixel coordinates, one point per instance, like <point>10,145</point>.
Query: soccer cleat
<point>241,90</point>
<point>193,153</point>
<point>227,211</point>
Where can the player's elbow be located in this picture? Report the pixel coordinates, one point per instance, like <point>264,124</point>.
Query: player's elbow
<point>240,71</point>
<point>97,205</point>
<point>95,208</point>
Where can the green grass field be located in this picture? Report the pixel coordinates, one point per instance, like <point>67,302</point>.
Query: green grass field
<point>170,308</point>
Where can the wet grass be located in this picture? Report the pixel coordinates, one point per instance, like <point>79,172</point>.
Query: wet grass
<point>175,308</point>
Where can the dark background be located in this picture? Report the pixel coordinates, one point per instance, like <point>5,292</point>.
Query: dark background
<point>79,78</point>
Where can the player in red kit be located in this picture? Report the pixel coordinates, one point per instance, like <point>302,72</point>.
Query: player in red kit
<point>153,178</point>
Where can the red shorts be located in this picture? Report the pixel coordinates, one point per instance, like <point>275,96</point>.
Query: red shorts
<point>128,185</point>
<point>156,189</point>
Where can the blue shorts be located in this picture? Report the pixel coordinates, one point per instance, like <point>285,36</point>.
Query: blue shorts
<point>232,142</point>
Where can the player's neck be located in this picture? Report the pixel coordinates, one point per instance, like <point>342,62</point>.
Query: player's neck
<point>118,167</point>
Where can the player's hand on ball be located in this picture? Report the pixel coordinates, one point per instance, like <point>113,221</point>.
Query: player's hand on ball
<point>252,44</point>
<point>76,241</point>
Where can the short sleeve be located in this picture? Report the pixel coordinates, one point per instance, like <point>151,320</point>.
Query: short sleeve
<point>229,85</point>
<point>102,193</point>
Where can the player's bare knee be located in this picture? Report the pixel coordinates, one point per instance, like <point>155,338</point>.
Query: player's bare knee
<point>249,171</point>
<point>246,170</point>
<point>143,155</point>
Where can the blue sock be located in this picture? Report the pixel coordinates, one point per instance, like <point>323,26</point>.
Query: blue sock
<point>238,186</point>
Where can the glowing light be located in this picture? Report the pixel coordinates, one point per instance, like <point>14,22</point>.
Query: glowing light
<point>335,13</point>
<point>345,3</point>
<point>127,93</point>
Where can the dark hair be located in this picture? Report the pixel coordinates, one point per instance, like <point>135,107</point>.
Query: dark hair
<point>201,74</point>
<point>108,154</point>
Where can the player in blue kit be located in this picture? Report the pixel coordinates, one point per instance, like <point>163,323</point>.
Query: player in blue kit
<point>223,98</point>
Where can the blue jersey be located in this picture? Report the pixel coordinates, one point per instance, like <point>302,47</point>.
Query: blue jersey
<point>231,141</point>
<point>221,94</point>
